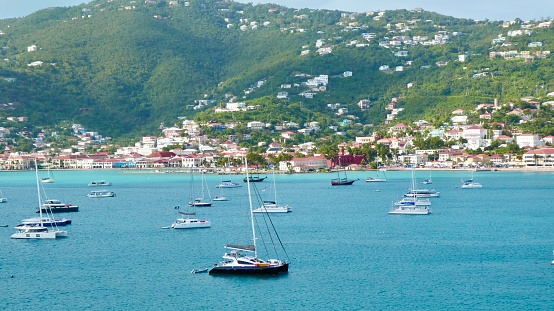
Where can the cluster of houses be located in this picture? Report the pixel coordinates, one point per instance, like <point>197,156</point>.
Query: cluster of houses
<point>196,149</point>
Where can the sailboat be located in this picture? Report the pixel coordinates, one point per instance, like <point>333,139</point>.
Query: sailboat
<point>187,220</point>
<point>37,230</point>
<point>341,181</point>
<point>244,259</point>
<point>228,183</point>
<point>272,206</point>
<point>198,201</point>
<point>2,198</point>
<point>470,183</point>
<point>428,180</point>
<point>377,179</point>
<point>220,197</point>
<point>253,178</point>
<point>49,179</point>
<point>411,205</point>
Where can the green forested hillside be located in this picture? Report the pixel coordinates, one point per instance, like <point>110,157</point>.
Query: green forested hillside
<point>123,67</point>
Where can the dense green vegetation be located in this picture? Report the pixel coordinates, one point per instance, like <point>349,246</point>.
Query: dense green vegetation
<point>124,67</point>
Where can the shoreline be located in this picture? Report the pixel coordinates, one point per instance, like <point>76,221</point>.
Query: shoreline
<point>214,171</point>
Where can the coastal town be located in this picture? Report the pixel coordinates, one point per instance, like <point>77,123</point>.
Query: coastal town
<point>464,144</point>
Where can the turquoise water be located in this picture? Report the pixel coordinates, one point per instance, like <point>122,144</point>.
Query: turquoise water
<point>487,249</point>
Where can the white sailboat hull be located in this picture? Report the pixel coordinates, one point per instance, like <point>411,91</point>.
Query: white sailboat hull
<point>190,223</point>
<point>273,208</point>
<point>410,211</point>
<point>30,234</point>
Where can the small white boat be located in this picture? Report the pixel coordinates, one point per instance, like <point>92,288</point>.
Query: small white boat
<point>200,202</point>
<point>49,179</point>
<point>272,207</point>
<point>376,179</point>
<point>408,201</point>
<point>101,194</point>
<point>410,210</point>
<point>2,198</point>
<point>470,183</point>
<point>422,193</point>
<point>190,223</point>
<point>220,198</point>
<point>428,181</point>
<point>95,183</point>
<point>228,184</point>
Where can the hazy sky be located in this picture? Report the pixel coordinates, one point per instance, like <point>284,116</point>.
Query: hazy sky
<point>476,9</point>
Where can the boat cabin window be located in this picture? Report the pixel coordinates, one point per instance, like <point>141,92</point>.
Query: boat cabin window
<point>242,262</point>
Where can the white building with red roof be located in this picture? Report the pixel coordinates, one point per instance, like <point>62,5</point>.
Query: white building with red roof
<point>539,157</point>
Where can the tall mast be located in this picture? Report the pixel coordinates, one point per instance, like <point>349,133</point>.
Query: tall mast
<point>38,193</point>
<point>251,213</point>
<point>274,186</point>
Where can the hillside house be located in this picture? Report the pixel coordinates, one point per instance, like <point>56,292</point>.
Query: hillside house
<point>255,125</point>
<point>528,140</point>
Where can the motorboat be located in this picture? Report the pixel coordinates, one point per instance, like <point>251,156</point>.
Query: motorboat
<point>189,223</point>
<point>57,206</point>
<point>96,183</point>
<point>101,194</point>
<point>220,198</point>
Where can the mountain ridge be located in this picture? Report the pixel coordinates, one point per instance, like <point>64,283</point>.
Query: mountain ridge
<point>124,67</point>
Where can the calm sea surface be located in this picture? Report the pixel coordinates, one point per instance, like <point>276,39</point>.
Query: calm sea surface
<point>481,249</point>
